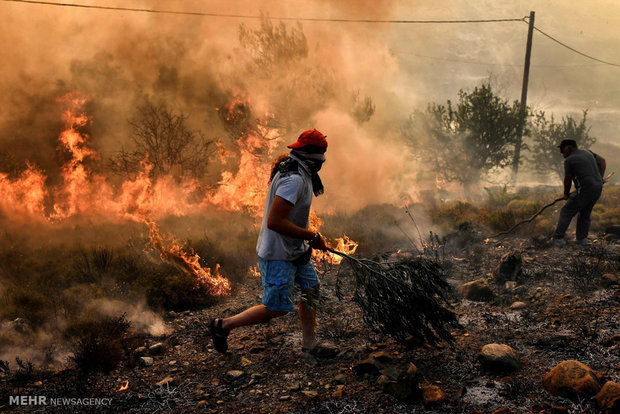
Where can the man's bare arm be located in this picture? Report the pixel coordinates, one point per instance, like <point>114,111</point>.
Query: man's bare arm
<point>278,222</point>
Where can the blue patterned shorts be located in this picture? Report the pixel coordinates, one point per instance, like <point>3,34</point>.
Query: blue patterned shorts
<point>278,278</point>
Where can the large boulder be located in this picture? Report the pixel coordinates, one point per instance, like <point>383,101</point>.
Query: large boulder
<point>509,268</point>
<point>571,379</point>
<point>477,291</point>
<point>608,398</point>
<point>499,357</point>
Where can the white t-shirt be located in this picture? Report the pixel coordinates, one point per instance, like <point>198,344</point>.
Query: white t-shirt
<point>295,188</point>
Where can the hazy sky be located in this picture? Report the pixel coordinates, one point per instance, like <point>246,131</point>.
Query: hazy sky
<point>401,66</point>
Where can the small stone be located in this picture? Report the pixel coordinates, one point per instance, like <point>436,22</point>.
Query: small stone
<point>140,351</point>
<point>510,285</point>
<point>340,379</point>
<point>366,366</point>
<point>202,402</point>
<point>382,356</point>
<point>518,305</point>
<point>412,371</point>
<point>295,386</point>
<point>509,268</point>
<point>310,394</point>
<point>156,349</point>
<point>165,381</point>
<point>285,397</point>
<point>337,394</point>
<point>383,379</point>
<point>499,357</point>
<point>37,384</point>
<point>477,291</point>
<point>172,362</point>
<point>146,361</point>
<point>245,362</point>
<point>234,374</point>
<point>432,395</point>
<point>215,382</point>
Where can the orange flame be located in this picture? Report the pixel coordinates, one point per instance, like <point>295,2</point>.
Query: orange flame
<point>124,387</point>
<point>246,189</point>
<point>83,194</point>
<point>343,244</point>
<point>25,195</point>
<point>171,251</point>
<point>253,271</point>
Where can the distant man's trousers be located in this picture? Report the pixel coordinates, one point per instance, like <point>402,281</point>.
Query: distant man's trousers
<point>580,203</point>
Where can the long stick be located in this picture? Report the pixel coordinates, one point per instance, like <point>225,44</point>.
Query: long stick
<point>528,220</point>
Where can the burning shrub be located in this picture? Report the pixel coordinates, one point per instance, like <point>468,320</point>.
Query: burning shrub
<point>100,346</point>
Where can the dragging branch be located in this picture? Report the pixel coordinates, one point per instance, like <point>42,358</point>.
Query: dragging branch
<point>404,298</point>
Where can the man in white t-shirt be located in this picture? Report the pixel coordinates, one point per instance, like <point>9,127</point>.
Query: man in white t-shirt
<point>285,244</point>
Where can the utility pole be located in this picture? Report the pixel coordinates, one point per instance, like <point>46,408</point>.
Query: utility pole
<point>523,111</point>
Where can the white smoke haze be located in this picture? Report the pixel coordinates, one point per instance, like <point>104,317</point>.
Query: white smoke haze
<point>142,319</point>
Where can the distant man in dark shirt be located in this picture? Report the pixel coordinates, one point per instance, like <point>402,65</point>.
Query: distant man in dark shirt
<point>586,169</point>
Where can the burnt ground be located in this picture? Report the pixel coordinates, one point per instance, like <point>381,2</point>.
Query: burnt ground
<point>570,312</point>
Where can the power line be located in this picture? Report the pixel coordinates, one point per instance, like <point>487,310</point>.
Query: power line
<point>574,50</point>
<point>310,19</point>
<point>247,16</point>
<point>472,62</point>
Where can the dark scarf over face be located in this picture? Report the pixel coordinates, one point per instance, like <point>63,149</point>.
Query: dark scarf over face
<point>313,161</point>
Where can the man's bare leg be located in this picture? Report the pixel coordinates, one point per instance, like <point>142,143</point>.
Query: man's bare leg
<point>307,317</point>
<point>251,316</point>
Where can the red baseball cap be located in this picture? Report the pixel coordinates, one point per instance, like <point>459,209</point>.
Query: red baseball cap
<point>310,137</point>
